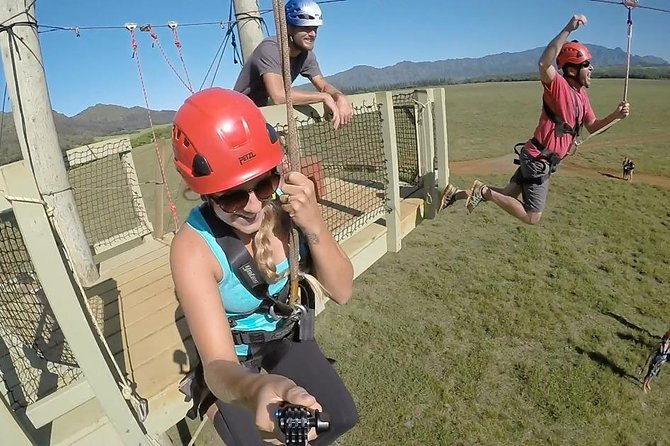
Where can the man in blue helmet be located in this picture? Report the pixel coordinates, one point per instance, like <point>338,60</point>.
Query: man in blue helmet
<point>261,76</point>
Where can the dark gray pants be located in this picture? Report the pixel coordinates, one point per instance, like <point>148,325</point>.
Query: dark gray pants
<point>304,363</point>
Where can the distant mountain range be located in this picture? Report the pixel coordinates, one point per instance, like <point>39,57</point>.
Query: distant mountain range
<point>102,120</point>
<point>98,120</point>
<point>403,74</point>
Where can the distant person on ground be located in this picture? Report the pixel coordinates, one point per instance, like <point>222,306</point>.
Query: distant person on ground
<point>229,263</point>
<point>261,76</point>
<point>628,168</point>
<point>658,358</point>
<point>566,108</point>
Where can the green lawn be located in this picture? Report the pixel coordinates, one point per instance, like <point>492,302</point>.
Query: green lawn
<point>496,333</point>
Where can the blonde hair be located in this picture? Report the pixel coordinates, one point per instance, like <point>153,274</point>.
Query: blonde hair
<point>275,220</point>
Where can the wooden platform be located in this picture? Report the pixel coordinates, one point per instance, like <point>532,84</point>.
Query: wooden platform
<point>137,310</point>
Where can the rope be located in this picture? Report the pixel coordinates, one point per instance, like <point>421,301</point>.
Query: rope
<point>148,29</point>
<point>133,43</point>
<point>177,44</point>
<point>292,140</point>
<point>12,198</point>
<point>222,50</point>
<point>2,118</point>
<point>629,35</point>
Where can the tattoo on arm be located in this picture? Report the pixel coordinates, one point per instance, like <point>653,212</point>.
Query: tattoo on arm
<point>312,238</point>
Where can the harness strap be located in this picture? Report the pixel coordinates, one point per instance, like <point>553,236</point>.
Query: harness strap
<point>261,337</point>
<point>251,278</point>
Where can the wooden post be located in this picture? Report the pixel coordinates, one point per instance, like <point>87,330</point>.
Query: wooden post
<point>393,229</point>
<point>249,25</point>
<point>10,427</point>
<point>64,300</point>
<point>426,143</point>
<point>31,108</point>
<point>441,141</point>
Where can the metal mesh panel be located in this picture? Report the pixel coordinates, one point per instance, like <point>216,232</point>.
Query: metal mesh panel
<point>110,206</point>
<point>35,359</point>
<point>404,112</point>
<point>348,168</point>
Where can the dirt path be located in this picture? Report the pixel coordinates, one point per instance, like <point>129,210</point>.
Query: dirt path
<point>503,165</point>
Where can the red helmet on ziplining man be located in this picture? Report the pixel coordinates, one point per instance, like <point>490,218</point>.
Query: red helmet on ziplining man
<point>573,53</point>
<point>220,140</point>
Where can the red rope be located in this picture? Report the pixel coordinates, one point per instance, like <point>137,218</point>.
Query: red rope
<point>177,44</point>
<point>136,56</point>
<point>156,42</point>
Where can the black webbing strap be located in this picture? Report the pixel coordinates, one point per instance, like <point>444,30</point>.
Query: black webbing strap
<point>562,127</point>
<point>261,337</point>
<point>248,274</point>
<point>238,257</point>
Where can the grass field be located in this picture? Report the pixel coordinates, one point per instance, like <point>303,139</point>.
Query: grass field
<point>483,331</point>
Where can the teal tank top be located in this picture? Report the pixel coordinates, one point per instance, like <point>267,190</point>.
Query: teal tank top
<point>235,297</point>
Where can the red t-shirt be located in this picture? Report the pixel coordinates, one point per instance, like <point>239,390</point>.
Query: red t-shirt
<point>560,97</point>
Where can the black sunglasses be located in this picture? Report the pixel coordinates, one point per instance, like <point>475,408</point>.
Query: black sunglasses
<point>236,200</point>
<point>585,64</point>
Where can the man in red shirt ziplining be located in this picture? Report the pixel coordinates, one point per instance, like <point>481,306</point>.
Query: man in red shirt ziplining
<point>566,108</point>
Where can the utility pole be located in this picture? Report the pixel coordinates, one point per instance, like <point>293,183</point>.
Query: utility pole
<point>249,25</point>
<point>31,109</point>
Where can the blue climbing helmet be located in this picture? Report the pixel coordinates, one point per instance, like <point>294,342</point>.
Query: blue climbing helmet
<point>303,13</point>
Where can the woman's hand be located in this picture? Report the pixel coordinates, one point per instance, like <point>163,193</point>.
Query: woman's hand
<point>298,199</point>
<point>271,392</point>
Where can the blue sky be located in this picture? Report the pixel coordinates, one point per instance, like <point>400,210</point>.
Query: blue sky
<point>97,68</point>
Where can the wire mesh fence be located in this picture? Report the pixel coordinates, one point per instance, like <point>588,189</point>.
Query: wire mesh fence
<point>348,168</point>
<point>35,359</point>
<point>107,193</point>
<point>404,112</point>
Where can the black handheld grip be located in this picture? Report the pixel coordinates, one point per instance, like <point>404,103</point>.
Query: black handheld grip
<point>296,421</point>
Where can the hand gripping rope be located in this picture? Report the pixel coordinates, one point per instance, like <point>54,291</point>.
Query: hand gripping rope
<point>629,4</point>
<point>293,150</point>
<point>296,421</point>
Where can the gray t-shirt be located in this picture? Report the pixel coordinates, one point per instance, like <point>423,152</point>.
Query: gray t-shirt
<point>266,59</point>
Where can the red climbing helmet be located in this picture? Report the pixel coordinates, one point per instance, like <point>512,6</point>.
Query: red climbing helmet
<point>220,140</point>
<point>573,53</point>
<point>666,335</point>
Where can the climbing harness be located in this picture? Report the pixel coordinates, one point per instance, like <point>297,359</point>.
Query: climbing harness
<point>248,274</point>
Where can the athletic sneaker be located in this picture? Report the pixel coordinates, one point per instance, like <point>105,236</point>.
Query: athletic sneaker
<point>447,197</point>
<point>475,196</point>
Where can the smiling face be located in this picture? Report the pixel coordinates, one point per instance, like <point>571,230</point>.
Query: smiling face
<point>584,75</point>
<point>303,37</point>
<point>580,74</point>
<point>242,207</point>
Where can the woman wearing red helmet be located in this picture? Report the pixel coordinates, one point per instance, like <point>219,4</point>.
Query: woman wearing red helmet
<point>566,108</point>
<point>227,153</point>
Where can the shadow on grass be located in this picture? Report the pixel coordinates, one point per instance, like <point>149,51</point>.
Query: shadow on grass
<point>611,175</point>
<point>625,322</point>
<point>603,360</point>
<point>637,340</point>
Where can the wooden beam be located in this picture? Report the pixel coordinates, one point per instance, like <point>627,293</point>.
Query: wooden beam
<point>65,303</point>
<point>441,141</point>
<point>36,130</point>
<point>393,233</point>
